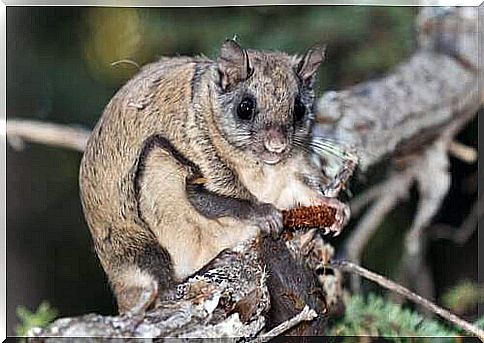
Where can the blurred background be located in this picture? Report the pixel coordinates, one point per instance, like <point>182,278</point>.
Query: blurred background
<point>59,69</point>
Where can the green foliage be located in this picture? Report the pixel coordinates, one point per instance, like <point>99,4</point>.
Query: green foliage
<point>44,315</point>
<point>463,296</point>
<point>376,316</point>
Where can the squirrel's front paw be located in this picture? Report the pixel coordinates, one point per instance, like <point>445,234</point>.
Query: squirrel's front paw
<point>269,219</point>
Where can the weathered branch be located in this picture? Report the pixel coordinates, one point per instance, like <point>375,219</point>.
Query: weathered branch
<point>428,168</point>
<point>228,298</point>
<point>205,306</point>
<point>414,114</point>
<point>429,90</point>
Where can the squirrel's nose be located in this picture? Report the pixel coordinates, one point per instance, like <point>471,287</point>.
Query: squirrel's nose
<point>275,141</point>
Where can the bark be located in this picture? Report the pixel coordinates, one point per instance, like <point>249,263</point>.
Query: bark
<point>437,84</point>
<point>207,305</point>
<point>229,298</point>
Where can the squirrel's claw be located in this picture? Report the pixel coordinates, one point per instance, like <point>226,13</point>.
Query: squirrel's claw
<point>341,217</point>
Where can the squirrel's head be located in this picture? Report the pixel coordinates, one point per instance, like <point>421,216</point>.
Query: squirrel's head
<point>266,100</point>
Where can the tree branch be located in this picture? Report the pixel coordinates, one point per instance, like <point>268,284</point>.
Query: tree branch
<point>461,234</point>
<point>378,116</point>
<point>305,315</point>
<point>405,292</point>
<point>57,135</point>
<point>391,191</point>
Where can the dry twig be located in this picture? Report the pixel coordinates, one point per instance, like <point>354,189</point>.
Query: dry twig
<point>392,190</point>
<point>57,135</point>
<point>463,152</point>
<point>405,292</point>
<point>360,201</point>
<point>306,314</point>
<point>461,234</point>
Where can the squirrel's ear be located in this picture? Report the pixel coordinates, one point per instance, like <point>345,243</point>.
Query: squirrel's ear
<point>233,64</point>
<point>309,63</point>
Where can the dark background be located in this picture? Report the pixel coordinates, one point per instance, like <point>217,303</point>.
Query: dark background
<point>59,70</point>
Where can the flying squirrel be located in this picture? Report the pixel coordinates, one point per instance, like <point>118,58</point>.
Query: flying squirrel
<point>194,156</point>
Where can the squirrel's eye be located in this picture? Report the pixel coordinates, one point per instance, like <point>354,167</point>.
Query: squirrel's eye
<point>299,109</point>
<point>246,108</point>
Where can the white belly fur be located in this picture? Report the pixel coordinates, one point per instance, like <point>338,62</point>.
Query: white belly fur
<point>280,185</point>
